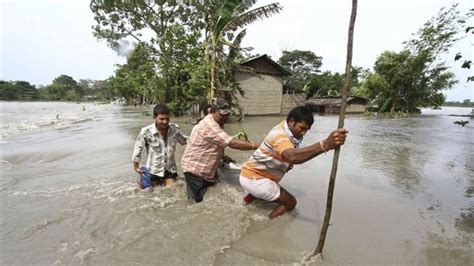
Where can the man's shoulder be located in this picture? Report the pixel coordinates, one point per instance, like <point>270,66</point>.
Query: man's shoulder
<point>208,122</point>
<point>148,128</point>
<point>174,126</point>
<point>277,132</point>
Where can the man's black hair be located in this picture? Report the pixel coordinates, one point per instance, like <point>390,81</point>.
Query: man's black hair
<point>208,109</point>
<point>300,114</point>
<point>160,109</point>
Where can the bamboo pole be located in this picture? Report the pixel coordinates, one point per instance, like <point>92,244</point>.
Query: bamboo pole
<point>342,114</point>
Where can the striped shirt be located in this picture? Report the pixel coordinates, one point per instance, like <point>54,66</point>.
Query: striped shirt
<point>205,149</point>
<point>267,160</point>
<point>160,152</point>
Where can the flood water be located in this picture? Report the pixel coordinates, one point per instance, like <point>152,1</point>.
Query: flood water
<point>404,194</point>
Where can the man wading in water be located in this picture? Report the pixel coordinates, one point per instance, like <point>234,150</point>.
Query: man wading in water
<point>262,172</point>
<point>205,150</point>
<point>159,140</point>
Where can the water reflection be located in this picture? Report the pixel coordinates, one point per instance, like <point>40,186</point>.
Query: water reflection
<point>441,250</point>
<point>469,168</point>
<point>465,220</point>
<point>390,148</point>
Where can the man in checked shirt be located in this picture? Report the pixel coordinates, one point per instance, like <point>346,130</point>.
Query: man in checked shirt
<point>205,150</point>
<point>159,140</point>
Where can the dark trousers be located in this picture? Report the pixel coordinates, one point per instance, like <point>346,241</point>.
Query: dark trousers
<point>196,186</point>
<point>160,180</point>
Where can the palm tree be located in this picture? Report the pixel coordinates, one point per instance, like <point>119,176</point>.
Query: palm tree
<point>224,18</point>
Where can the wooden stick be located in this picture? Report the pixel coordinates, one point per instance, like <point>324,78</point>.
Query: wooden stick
<point>342,114</point>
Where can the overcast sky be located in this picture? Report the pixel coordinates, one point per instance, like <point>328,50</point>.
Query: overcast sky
<point>42,39</point>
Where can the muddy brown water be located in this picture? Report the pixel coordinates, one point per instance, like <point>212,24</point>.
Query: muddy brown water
<point>68,195</point>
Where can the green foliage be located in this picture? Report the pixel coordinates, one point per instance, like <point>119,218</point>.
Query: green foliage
<point>63,88</point>
<point>415,77</point>
<point>304,65</point>
<point>405,82</point>
<point>119,20</point>
<point>197,85</point>
<point>138,78</point>
<point>306,75</point>
<point>223,20</point>
<point>185,65</point>
<point>438,34</point>
<point>325,84</point>
<point>465,103</point>
<point>18,90</point>
<point>168,46</point>
<point>469,30</point>
<point>177,108</point>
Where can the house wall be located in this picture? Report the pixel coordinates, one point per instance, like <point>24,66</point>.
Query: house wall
<point>291,100</point>
<point>350,108</point>
<point>262,93</point>
<point>332,109</point>
<point>355,108</point>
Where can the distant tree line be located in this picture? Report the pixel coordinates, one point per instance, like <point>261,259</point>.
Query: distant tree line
<point>18,90</point>
<point>465,103</point>
<point>63,88</point>
<point>184,53</point>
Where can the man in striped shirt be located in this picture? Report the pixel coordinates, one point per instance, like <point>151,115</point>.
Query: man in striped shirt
<point>262,172</point>
<point>205,149</point>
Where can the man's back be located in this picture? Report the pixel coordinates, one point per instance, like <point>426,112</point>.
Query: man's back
<point>205,149</point>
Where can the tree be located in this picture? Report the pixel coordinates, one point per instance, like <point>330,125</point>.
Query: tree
<point>63,87</point>
<point>324,84</point>
<point>26,90</point>
<point>464,103</point>
<point>8,91</point>
<point>404,83</point>
<point>416,76</point>
<point>172,32</point>
<point>18,90</point>
<point>306,74</point>
<point>169,31</point>
<point>87,88</point>
<point>135,20</point>
<point>223,20</point>
<point>467,62</point>
<point>303,65</point>
<point>138,78</point>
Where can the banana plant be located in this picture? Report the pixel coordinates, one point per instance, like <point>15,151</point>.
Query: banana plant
<point>223,19</point>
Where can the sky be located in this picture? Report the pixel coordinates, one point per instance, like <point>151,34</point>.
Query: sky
<point>42,39</point>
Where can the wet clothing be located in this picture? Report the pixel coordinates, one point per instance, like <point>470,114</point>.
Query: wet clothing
<point>196,186</point>
<point>267,160</point>
<point>262,188</point>
<point>205,149</point>
<point>160,152</point>
<point>161,179</point>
